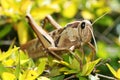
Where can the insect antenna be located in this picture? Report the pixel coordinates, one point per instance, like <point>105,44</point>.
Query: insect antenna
<point>96,48</point>
<point>99,18</point>
<point>92,31</point>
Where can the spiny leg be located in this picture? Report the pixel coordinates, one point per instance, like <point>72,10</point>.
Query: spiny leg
<point>53,22</point>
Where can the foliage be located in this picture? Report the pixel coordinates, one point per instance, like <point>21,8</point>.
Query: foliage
<point>17,64</point>
<point>115,73</point>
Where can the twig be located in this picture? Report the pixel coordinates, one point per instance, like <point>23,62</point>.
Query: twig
<point>111,78</point>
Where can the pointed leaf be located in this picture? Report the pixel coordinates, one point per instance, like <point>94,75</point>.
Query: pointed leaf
<point>8,53</point>
<point>88,67</point>
<point>118,73</point>
<point>112,70</point>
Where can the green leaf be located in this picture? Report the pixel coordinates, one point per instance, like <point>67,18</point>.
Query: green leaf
<point>82,78</point>
<point>105,21</point>
<point>41,66</point>
<point>8,53</point>
<point>112,70</point>
<point>2,69</point>
<point>102,53</point>
<point>5,30</point>
<point>12,44</point>
<point>17,70</point>
<point>88,67</point>
<point>60,77</point>
<point>75,65</point>
<point>67,71</point>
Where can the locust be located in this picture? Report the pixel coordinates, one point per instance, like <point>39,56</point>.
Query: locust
<point>73,36</point>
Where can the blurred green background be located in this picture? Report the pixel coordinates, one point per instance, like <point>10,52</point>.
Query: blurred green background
<point>13,24</point>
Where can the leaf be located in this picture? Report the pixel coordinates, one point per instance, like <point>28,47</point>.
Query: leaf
<point>112,70</point>
<point>59,77</point>
<point>69,9</point>
<point>75,65</point>
<point>102,53</point>
<point>17,70</point>
<point>29,75</point>
<point>67,71</point>
<point>8,53</point>
<point>2,69</point>
<point>25,5</point>
<point>12,44</point>
<point>105,21</point>
<point>22,31</point>
<point>118,73</point>
<point>11,7</point>
<point>82,78</point>
<point>88,67</point>
<point>87,14</point>
<point>62,62</point>
<point>41,66</point>
<point>8,62</point>
<point>5,30</point>
<point>43,11</point>
<point>8,76</point>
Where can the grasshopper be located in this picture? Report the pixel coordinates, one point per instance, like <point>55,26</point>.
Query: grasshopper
<point>73,36</point>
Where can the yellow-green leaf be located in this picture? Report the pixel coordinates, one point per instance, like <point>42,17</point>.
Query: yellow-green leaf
<point>8,62</point>
<point>8,76</point>
<point>112,70</point>
<point>24,61</point>
<point>29,75</point>
<point>8,53</point>
<point>87,14</point>
<point>22,30</point>
<point>118,73</point>
<point>25,5</point>
<point>11,7</point>
<point>88,67</point>
<point>41,66</point>
<point>44,11</point>
<point>69,9</point>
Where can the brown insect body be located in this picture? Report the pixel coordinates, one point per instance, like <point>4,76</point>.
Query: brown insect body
<point>71,36</point>
<point>74,34</point>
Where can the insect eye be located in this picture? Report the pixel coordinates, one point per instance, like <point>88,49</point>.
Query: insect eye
<point>83,25</point>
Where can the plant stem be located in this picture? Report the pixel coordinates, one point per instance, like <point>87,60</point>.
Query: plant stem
<point>111,78</point>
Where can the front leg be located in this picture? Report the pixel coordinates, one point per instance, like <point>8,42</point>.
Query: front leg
<point>93,50</point>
